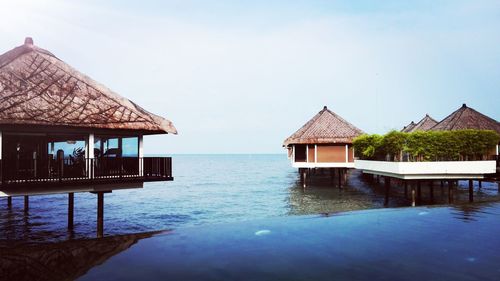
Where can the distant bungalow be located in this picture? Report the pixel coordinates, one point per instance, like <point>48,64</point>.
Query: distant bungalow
<point>463,118</point>
<point>423,125</point>
<point>325,141</point>
<point>60,128</point>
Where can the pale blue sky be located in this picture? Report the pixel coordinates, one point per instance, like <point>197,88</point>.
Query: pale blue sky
<point>240,76</point>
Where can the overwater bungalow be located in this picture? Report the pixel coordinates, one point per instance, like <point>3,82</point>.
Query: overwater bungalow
<point>468,118</point>
<point>480,167</point>
<point>59,128</point>
<point>424,124</point>
<point>325,141</point>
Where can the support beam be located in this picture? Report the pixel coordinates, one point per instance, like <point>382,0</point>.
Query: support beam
<point>419,192</point>
<point>471,191</point>
<point>315,153</point>
<point>339,173</point>
<point>26,203</point>
<point>89,153</point>
<point>141,155</point>
<point>480,183</point>
<point>387,182</point>
<point>9,202</point>
<point>100,214</point>
<point>307,153</point>
<point>1,142</point>
<point>413,203</point>
<point>406,188</point>
<point>71,203</point>
<point>346,153</point>
<point>450,191</point>
<point>431,191</point>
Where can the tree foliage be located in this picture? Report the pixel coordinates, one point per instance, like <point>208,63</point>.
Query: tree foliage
<point>456,145</point>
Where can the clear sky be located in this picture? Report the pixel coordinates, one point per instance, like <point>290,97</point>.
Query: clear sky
<point>241,76</point>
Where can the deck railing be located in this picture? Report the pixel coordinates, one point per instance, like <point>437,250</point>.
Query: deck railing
<point>81,169</point>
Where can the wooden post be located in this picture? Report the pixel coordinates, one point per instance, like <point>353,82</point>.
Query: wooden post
<point>71,201</point>
<point>480,184</point>
<point>304,176</point>
<point>9,202</point>
<point>26,203</point>
<point>100,214</point>
<point>431,191</point>
<point>345,175</point>
<point>387,182</point>
<point>406,188</point>
<point>378,179</point>
<point>471,191</point>
<point>450,191</point>
<point>419,192</point>
<point>413,195</point>
<point>340,177</point>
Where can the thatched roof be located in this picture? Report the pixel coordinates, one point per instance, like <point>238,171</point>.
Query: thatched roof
<point>324,127</point>
<point>423,125</point>
<point>37,88</point>
<point>407,128</point>
<point>467,118</point>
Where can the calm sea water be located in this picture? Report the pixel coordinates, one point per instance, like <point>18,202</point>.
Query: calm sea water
<point>208,189</point>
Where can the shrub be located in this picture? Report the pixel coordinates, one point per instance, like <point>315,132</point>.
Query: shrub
<point>427,146</point>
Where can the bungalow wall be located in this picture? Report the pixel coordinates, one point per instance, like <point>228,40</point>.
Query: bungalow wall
<point>323,153</point>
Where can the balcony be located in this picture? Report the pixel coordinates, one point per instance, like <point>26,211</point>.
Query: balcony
<point>84,171</point>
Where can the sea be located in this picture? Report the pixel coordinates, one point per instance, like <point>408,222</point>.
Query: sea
<point>209,190</point>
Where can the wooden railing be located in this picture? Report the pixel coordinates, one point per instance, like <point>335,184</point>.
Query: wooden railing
<point>81,169</point>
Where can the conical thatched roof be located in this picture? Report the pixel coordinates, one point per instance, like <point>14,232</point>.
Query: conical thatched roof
<point>467,118</point>
<point>37,88</point>
<point>423,125</point>
<point>324,127</point>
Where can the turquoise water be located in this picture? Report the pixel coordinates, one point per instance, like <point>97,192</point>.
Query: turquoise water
<point>208,189</point>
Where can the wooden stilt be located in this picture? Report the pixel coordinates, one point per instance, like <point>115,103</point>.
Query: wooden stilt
<point>406,188</point>
<point>413,203</point>
<point>26,203</point>
<point>340,178</point>
<point>431,191</point>
<point>304,176</point>
<point>9,202</point>
<point>100,214</point>
<point>419,192</point>
<point>480,182</point>
<point>345,175</point>
<point>387,182</point>
<point>332,176</point>
<point>71,201</point>
<point>450,192</point>
<point>471,191</point>
<point>378,179</point>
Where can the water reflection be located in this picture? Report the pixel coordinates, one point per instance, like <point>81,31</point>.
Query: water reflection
<point>61,261</point>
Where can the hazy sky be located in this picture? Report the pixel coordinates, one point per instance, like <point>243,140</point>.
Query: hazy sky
<point>241,76</point>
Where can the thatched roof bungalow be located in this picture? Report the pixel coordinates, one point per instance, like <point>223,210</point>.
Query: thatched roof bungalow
<point>468,118</point>
<point>325,141</point>
<point>51,111</point>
